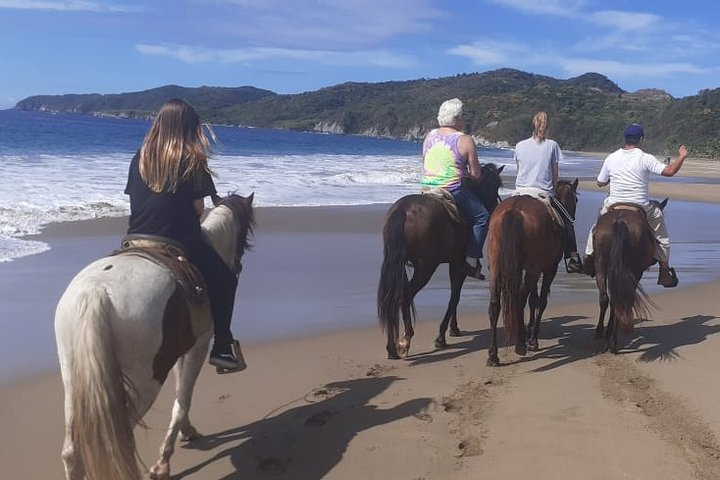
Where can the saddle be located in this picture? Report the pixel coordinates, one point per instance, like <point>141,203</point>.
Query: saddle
<point>557,211</point>
<point>628,206</point>
<point>447,201</point>
<point>167,253</point>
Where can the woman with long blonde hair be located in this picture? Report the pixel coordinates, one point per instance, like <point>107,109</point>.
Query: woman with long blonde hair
<point>168,181</point>
<point>537,160</point>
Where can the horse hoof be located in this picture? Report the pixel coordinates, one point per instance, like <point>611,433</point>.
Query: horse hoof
<point>457,333</point>
<point>440,343</point>
<point>533,346</point>
<point>403,349</point>
<point>521,350</point>
<point>393,356</point>
<point>493,362</point>
<point>190,436</point>
<point>160,471</point>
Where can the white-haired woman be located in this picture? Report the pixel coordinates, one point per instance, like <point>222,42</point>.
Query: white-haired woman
<point>449,155</point>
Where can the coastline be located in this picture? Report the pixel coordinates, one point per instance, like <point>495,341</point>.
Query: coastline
<point>325,403</point>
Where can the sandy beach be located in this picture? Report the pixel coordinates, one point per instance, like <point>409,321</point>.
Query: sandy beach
<point>322,401</point>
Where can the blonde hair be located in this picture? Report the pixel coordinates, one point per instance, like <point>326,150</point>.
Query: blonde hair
<point>175,148</point>
<point>540,125</point>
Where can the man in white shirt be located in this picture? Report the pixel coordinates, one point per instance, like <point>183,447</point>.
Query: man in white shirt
<point>627,170</point>
<point>537,160</point>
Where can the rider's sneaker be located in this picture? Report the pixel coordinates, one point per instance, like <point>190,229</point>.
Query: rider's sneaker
<point>474,271</point>
<point>574,264</point>
<point>667,278</point>
<point>223,356</point>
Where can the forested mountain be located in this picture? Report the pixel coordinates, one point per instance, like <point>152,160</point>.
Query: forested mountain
<point>587,112</point>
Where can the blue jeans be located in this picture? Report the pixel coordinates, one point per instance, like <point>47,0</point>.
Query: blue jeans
<point>474,210</point>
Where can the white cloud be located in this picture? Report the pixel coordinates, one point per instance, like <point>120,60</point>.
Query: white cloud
<point>68,6</point>
<point>360,58</point>
<point>565,8</point>
<point>489,52</point>
<point>632,21</point>
<point>615,69</point>
<point>311,24</point>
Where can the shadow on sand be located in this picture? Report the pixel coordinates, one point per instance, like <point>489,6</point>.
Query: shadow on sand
<point>305,442</point>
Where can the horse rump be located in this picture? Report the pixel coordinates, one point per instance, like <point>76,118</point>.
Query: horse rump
<point>102,412</point>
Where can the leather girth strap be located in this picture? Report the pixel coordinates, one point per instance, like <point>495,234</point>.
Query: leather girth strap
<point>167,253</point>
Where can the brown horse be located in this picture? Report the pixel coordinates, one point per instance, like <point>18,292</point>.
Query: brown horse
<point>419,231</point>
<point>624,248</point>
<point>524,241</point>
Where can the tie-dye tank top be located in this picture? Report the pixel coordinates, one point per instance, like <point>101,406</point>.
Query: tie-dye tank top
<point>443,166</point>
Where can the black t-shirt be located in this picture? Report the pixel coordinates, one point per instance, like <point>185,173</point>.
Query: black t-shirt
<point>168,214</point>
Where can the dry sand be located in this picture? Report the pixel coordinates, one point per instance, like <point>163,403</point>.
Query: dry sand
<point>331,406</point>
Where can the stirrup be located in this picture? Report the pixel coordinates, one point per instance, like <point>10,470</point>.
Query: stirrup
<point>574,265</point>
<point>229,362</point>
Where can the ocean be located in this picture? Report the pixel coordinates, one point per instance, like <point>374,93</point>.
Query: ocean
<point>58,168</point>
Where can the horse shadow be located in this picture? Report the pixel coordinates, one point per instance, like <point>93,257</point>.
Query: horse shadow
<point>305,442</point>
<point>471,341</point>
<point>660,342</point>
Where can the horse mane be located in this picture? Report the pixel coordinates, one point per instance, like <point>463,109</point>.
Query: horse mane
<point>244,213</point>
<point>217,225</point>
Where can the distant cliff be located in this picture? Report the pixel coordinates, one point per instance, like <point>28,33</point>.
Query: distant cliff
<point>586,112</point>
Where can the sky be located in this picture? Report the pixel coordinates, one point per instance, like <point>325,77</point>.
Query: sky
<point>292,46</point>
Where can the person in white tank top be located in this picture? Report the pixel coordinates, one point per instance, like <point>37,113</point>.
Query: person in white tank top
<point>627,171</point>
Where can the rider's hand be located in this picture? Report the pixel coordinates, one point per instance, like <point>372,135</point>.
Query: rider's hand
<point>682,152</point>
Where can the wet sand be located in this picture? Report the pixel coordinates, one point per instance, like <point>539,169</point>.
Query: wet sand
<point>329,405</point>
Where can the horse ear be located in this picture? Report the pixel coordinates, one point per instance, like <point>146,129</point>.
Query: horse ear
<point>575,183</point>
<point>501,168</point>
<point>663,204</point>
<point>250,198</point>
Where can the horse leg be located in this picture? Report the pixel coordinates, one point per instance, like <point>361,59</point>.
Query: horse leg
<point>421,275</point>
<point>187,370</point>
<point>533,301</point>
<point>457,274</point>
<point>548,277</point>
<point>529,283</point>
<point>494,313</point>
<point>457,278</point>
<point>71,458</point>
<point>600,345</point>
<point>610,331</point>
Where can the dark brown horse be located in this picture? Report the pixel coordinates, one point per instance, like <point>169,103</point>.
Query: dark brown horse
<point>419,231</point>
<point>524,241</point>
<point>624,248</point>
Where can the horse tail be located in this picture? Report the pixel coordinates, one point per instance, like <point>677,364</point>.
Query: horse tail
<point>509,271</point>
<point>103,412</point>
<point>393,277</point>
<point>627,297</point>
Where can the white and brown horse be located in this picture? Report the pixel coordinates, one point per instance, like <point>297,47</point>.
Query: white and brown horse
<point>122,324</point>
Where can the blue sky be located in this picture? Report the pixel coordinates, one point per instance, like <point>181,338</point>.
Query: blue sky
<point>290,46</point>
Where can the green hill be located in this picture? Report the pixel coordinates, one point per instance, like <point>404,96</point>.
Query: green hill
<point>587,112</point>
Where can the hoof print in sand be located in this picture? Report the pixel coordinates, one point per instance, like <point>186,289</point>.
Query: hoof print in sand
<point>377,370</point>
<point>470,447</point>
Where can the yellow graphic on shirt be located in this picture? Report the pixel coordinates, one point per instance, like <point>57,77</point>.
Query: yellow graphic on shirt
<point>439,167</point>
